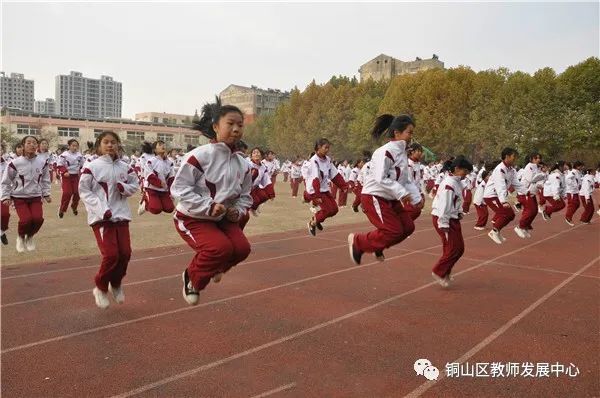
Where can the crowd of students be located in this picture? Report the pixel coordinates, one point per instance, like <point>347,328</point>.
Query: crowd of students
<point>213,189</point>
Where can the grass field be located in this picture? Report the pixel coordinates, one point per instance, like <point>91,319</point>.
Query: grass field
<point>71,236</point>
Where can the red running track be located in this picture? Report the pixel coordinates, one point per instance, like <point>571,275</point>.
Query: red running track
<point>298,319</point>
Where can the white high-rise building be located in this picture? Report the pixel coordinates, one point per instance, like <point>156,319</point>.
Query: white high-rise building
<point>16,91</point>
<point>80,96</point>
<point>47,107</point>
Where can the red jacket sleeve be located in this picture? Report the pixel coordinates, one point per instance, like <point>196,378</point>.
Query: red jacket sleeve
<point>339,181</point>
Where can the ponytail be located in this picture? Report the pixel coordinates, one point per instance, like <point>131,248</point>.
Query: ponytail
<point>211,114</point>
<point>389,123</point>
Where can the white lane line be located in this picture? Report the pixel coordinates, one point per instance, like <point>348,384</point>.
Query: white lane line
<point>55,296</point>
<point>87,291</point>
<point>417,392</point>
<point>519,266</point>
<point>187,252</point>
<point>314,328</point>
<point>275,390</point>
<point>208,303</point>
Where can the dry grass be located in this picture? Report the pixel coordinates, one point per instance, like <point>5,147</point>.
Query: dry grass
<point>71,236</point>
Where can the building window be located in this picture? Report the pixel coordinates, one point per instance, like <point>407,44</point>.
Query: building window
<point>68,132</point>
<point>26,129</point>
<point>155,119</point>
<point>165,120</point>
<point>135,135</point>
<point>191,139</point>
<point>165,137</point>
<point>97,132</point>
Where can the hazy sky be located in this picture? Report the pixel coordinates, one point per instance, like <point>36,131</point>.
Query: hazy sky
<point>173,57</point>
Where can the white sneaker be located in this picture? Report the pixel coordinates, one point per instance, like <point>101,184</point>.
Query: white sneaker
<point>545,215</point>
<point>141,208</point>
<point>20,244</point>
<point>101,298</point>
<point>527,233</point>
<point>501,237</point>
<point>217,278</point>
<point>598,212</point>
<point>29,243</point>
<point>569,222</point>
<point>479,228</point>
<point>441,281</point>
<point>520,232</point>
<point>495,236</point>
<point>117,293</point>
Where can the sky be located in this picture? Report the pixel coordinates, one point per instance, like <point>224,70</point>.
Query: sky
<point>174,57</point>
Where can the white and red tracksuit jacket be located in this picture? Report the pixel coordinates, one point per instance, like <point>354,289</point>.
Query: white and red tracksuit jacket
<point>211,174</point>
<point>415,174</point>
<point>320,172</point>
<point>587,186</point>
<point>554,186</point>
<point>69,162</point>
<point>260,177</point>
<point>573,182</point>
<point>104,186</point>
<point>448,201</point>
<point>478,196</point>
<point>502,178</point>
<point>388,175</point>
<point>158,173</point>
<point>353,179</point>
<point>26,178</point>
<point>296,170</point>
<point>271,166</point>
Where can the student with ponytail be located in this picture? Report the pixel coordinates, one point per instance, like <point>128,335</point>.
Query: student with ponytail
<point>69,165</point>
<point>321,172</point>
<point>387,190</point>
<point>25,182</point>
<point>585,196</point>
<point>5,216</point>
<point>105,184</point>
<point>213,187</point>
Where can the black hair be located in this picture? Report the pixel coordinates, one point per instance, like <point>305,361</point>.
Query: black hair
<point>541,163</point>
<point>414,147</point>
<point>389,123</point>
<point>269,152</point>
<point>507,152</point>
<point>484,174</point>
<point>90,144</point>
<point>241,146</point>
<point>101,137</point>
<point>29,136</point>
<point>462,163</point>
<point>589,171</point>
<point>534,155</point>
<point>45,140</point>
<point>189,147</point>
<point>447,166</point>
<point>558,165</point>
<point>155,144</point>
<point>262,153</point>
<point>72,140</point>
<point>578,163</point>
<point>211,114</point>
<point>146,147</point>
<point>366,155</point>
<point>320,142</point>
